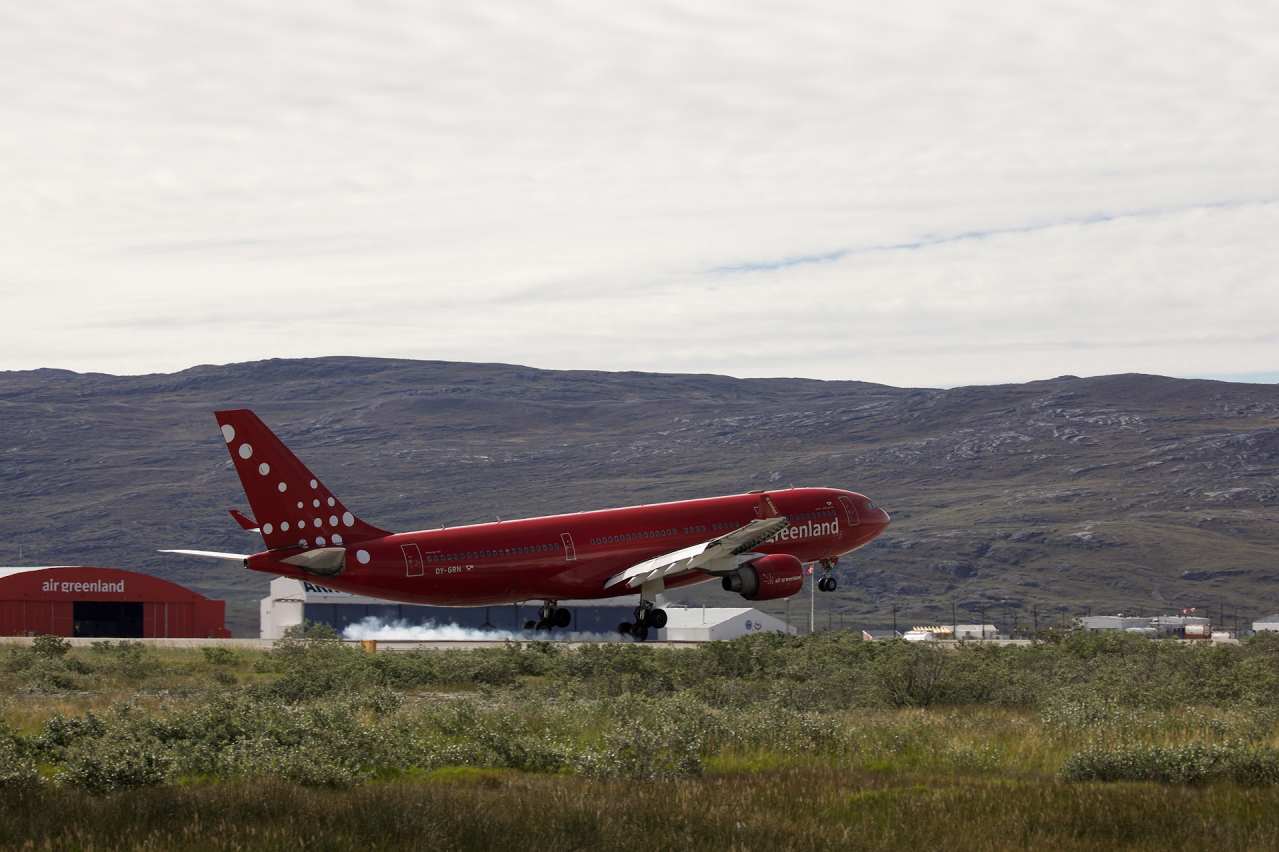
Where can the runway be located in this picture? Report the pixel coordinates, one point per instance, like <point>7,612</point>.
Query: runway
<point>379,645</point>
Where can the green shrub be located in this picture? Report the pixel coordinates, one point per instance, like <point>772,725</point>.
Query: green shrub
<point>219,655</point>
<point>110,763</point>
<point>313,662</point>
<point>50,646</point>
<point>1189,763</point>
<point>131,660</point>
<point>17,769</point>
<point>644,753</point>
<point>649,738</point>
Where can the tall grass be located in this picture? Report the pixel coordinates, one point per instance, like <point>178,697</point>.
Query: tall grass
<point>796,808</point>
<point>822,742</point>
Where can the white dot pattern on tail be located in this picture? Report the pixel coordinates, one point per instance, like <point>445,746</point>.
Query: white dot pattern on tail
<point>264,468</point>
<point>314,483</point>
<point>348,519</point>
<point>362,556</point>
<point>246,450</point>
<point>316,522</point>
<point>315,504</point>
<point>268,529</point>
<point>337,539</point>
<point>320,541</point>
<point>283,486</point>
<point>333,520</point>
<point>332,502</point>
<point>228,432</point>
<point>284,526</point>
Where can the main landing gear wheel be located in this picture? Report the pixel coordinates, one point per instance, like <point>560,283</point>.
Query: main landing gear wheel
<point>647,617</point>
<point>550,617</point>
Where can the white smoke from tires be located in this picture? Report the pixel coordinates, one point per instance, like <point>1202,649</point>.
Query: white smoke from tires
<point>403,631</point>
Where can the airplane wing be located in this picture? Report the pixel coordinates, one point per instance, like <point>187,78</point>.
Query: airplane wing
<point>717,556</point>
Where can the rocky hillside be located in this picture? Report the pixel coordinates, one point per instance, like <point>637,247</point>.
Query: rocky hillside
<point>1120,492</point>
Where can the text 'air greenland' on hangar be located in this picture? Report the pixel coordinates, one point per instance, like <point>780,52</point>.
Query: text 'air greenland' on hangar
<point>104,602</point>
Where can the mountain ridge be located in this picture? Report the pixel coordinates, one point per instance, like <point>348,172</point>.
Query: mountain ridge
<point>1120,491</point>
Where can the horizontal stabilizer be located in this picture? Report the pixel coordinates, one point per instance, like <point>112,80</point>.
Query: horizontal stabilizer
<point>245,522</point>
<point>211,554</point>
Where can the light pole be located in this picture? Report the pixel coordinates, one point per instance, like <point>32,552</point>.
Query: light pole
<point>812,602</point>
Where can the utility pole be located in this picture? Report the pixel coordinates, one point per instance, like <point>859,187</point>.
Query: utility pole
<point>812,604</point>
<point>894,621</point>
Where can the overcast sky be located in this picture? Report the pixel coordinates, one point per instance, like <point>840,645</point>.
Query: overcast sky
<point>917,192</point>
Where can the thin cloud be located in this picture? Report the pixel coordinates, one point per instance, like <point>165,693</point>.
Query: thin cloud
<point>931,241</point>
<point>918,194</point>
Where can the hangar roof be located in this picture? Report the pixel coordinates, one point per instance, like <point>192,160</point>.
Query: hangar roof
<point>90,582</point>
<point>8,572</point>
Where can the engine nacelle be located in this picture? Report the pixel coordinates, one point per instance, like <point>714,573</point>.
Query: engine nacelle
<point>778,575</point>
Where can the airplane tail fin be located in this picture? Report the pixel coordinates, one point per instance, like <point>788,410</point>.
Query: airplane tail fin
<point>290,504</point>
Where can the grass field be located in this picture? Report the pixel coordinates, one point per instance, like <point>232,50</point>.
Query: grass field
<point>764,743</point>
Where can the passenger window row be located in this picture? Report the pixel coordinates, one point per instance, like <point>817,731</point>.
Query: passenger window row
<point>819,515</point>
<point>635,536</point>
<point>526,550</point>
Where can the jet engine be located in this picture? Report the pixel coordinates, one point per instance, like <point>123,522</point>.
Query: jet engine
<point>778,575</point>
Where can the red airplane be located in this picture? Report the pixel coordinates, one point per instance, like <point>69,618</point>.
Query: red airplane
<point>756,544</point>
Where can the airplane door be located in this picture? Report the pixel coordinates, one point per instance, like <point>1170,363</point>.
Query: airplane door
<point>570,554</point>
<point>850,511</point>
<point>412,560</point>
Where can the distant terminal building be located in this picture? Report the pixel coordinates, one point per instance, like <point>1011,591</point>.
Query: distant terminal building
<point>1181,626</point>
<point>946,632</point>
<point>105,603</point>
<point>1126,623</point>
<point>291,602</point>
<point>1269,624</point>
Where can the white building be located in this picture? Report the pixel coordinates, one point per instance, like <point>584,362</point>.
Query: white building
<point>708,624</point>
<point>293,601</point>
<point>1115,622</point>
<point>1268,624</point>
<point>964,632</point>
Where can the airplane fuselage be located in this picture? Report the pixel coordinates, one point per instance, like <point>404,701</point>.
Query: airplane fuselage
<point>571,556</point>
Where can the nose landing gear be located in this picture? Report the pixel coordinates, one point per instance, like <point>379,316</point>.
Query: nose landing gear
<point>550,617</point>
<point>827,582</point>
